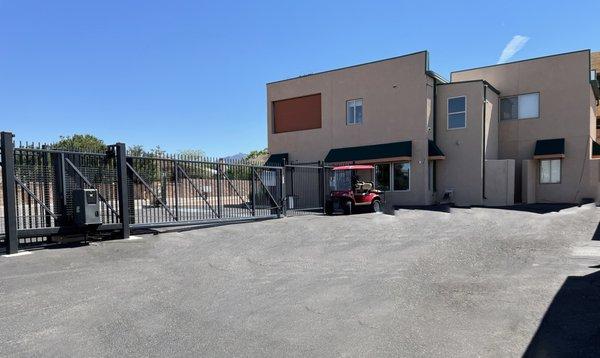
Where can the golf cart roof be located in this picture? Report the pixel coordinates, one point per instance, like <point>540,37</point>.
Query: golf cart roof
<point>354,167</point>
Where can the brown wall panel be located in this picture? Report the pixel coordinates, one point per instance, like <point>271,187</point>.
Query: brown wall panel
<point>296,114</point>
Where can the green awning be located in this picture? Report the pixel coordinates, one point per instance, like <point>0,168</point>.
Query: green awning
<point>595,149</point>
<point>549,148</point>
<point>277,160</point>
<point>370,152</point>
<point>434,152</point>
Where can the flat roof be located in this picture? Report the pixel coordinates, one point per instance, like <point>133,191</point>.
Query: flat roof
<point>427,71</point>
<point>358,65</point>
<point>525,60</point>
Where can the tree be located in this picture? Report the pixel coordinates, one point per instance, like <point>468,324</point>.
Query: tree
<point>257,154</point>
<point>194,154</point>
<point>136,151</point>
<point>80,142</point>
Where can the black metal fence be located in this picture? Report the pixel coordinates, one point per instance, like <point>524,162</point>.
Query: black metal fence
<point>36,200</point>
<point>306,186</point>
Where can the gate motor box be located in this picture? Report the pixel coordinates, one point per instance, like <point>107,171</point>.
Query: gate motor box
<point>86,208</point>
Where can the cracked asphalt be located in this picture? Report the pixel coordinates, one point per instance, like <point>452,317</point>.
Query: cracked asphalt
<point>472,282</point>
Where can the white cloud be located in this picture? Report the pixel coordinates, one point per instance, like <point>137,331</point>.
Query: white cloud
<point>512,47</point>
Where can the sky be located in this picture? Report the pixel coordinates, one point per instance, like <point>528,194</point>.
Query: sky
<point>193,74</point>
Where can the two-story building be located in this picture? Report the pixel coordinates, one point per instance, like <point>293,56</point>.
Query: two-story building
<point>516,132</point>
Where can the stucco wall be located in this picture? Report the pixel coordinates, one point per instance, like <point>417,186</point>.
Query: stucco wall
<point>529,176</point>
<point>563,84</point>
<point>499,182</point>
<point>395,107</point>
<point>595,64</point>
<point>462,168</point>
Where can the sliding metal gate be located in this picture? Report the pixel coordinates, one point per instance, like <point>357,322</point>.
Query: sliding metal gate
<point>134,192</point>
<point>180,191</point>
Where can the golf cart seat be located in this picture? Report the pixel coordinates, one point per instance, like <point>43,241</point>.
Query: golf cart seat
<point>363,186</point>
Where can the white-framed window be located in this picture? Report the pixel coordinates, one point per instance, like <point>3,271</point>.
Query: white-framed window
<point>354,111</point>
<point>524,106</point>
<point>401,176</point>
<point>550,171</point>
<point>457,112</point>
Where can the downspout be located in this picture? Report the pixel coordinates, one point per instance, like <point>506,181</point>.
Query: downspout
<point>483,140</point>
<point>434,119</point>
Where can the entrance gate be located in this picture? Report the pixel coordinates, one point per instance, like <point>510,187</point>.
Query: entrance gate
<point>306,188</point>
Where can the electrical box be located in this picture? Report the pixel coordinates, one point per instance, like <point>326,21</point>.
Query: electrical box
<point>86,208</point>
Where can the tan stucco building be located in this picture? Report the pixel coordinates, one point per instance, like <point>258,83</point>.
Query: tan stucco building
<point>517,132</point>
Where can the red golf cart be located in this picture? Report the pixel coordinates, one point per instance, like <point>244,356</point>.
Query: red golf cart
<point>352,188</point>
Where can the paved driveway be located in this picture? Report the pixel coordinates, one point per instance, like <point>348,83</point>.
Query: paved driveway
<point>473,282</point>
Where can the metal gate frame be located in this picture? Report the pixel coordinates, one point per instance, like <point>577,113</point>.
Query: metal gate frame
<point>265,200</point>
<point>320,174</point>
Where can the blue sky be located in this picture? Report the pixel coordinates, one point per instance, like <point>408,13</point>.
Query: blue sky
<point>192,74</point>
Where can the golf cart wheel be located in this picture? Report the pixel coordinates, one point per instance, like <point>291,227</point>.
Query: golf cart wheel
<point>348,208</point>
<point>328,207</point>
<point>376,206</point>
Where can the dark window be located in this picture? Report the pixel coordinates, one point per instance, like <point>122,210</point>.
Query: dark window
<point>457,112</point>
<point>508,108</point>
<point>402,176</point>
<point>382,176</point>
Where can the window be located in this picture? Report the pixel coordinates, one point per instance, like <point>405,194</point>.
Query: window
<point>457,112</point>
<point>354,111</point>
<point>382,176</point>
<point>550,171</point>
<point>401,176</point>
<point>520,107</point>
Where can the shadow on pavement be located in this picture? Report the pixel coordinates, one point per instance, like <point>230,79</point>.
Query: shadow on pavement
<point>442,208</point>
<point>537,208</point>
<point>571,325</point>
<point>531,208</point>
<point>596,236</point>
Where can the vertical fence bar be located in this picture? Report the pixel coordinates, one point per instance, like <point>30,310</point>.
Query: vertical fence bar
<point>219,190</point>
<point>45,164</point>
<point>176,189</point>
<point>8,190</point>
<point>283,199</point>
<point>123,188</point>
<point>253,188</point>
<point>322,190</point>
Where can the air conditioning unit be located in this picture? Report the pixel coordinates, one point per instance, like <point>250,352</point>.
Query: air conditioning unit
<point>86,208</point>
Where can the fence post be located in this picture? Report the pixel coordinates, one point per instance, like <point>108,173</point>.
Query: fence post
<point>8,190</point>
<point>130,191</point>
<point>283,200</point>
<point>123,188</point>
<point>60,199</point>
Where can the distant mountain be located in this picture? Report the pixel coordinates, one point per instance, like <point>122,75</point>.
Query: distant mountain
<point>238,156</point>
